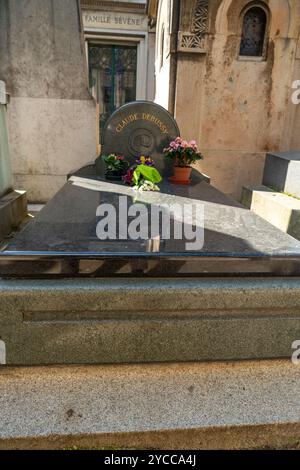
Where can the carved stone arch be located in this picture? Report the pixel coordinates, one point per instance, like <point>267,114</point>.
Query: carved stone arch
<point>256,45</point>
<point>228,16</point>
<point>194,39</point>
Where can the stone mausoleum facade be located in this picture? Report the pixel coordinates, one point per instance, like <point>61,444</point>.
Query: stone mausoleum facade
<point>67,66</point>
<point>226,69</point>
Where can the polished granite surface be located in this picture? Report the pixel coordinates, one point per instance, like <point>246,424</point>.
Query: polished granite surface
<point>62,239</point>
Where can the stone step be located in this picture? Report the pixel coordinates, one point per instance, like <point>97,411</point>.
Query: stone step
<point>279,209</point>
<point>282,172</point>
<point>34,209</point>
<point>13,210</point>
<point>244,405</point>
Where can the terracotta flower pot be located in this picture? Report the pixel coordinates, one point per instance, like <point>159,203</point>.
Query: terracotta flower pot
<point>182,175</point>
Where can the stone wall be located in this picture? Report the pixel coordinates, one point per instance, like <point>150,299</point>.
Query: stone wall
<point>237,109</point>
<point>162,61</point>
<point>52,118</point>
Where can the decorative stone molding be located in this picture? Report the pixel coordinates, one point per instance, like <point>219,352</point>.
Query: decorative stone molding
<point>152,9</point>
<point>113,5</point>
<point>195,39</point>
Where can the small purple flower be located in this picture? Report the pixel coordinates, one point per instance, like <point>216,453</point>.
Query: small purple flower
<point>129,176</point>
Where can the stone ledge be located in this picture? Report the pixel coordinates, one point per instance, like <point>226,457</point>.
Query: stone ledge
<point>13,210</point>
<point>137,321</point>
<point>279,209</point>
<point>165,406</point>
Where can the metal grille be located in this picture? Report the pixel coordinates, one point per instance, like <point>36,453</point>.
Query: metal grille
<point>113,74</point>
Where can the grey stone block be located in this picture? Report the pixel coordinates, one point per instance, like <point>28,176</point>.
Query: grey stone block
<point>280,210</point>
<point>282,172</point>
<point>13,210</point>
<point>132,321</point>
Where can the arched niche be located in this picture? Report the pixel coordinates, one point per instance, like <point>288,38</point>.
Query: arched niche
<point>254,31</point>
<point>228,16</point>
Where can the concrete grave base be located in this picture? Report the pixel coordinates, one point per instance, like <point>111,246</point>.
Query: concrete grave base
<point>13,210</point>
<point>242,405</point>
<point>98,321</point>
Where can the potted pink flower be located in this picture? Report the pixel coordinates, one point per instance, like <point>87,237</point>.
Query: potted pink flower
<point>183,154</point>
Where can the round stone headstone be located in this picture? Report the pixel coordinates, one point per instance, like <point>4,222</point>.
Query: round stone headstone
<point>140,128</point>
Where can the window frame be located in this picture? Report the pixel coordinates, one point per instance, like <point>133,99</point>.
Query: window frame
<point>263,57</point>
<point>140,40</point>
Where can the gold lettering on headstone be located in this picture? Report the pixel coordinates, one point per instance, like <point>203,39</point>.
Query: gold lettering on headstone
<point>143,117</point>
<point>127,120</point>
<point>156,121</point>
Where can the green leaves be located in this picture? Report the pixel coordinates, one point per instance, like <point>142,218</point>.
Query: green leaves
<point>148,173</point>
<point>116,162</point>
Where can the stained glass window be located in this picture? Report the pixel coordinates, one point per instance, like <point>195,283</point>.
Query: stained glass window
<point>253,34</point>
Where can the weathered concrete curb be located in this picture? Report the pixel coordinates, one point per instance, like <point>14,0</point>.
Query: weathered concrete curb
<point>201,406</point>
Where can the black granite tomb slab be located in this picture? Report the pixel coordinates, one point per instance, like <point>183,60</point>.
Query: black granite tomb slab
<point>62,240</point>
